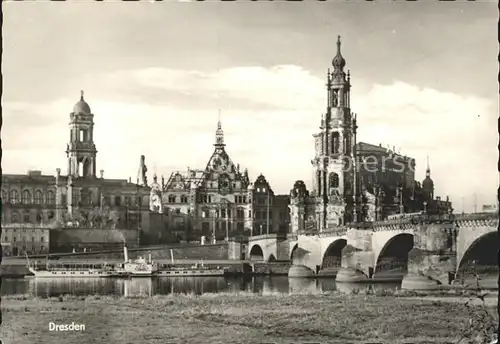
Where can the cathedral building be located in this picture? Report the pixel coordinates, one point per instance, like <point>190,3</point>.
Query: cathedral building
<point>81,198</point>
<point>219,201</point>
<point>355,181</point>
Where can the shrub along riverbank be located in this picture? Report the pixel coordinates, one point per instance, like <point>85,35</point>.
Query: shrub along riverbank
<point>244,318</point>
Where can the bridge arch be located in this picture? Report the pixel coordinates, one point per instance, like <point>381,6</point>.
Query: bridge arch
<point>271,258</point>
<point>394,254</point>
<point>481,255</point>
<point>293,252</point>
<point>332,257</point>
<point>256,253</point>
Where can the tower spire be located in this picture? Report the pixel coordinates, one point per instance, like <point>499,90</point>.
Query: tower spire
<point>219,134</point>
<point>81,95</point>
<point>338,61</point>
<point>428,170</point>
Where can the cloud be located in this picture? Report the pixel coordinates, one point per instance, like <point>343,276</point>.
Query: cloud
<point>268,116</point>
<point>280,87</point>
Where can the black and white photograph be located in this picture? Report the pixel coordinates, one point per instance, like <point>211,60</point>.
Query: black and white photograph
<point>261,172</point>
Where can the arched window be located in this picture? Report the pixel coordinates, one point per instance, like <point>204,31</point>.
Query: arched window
<point>14,218</point>
<point>50,198</point>
<point>38,199</point>
<point>335,142</point>
<point>4,196</point>
<point>334,180</point>
<point>26,197</point>
<point>14,197</point>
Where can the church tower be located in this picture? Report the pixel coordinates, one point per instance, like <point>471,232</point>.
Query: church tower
<point>334,151</point>
<point>428,184</point>
<point>81,151</point>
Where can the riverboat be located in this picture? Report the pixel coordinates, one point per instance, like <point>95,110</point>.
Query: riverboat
<point>129,268</point>
<point>200,270</point>
<point>139,267</point>
<point>71,269</point>
<point>195,270</point>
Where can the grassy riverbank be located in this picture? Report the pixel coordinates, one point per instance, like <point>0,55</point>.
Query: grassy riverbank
<point>243,318</point>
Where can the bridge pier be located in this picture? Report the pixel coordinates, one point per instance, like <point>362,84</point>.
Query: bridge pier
<point>357,257</point>
<point>432,261</point>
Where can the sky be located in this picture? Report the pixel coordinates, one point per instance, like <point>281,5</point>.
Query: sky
<point>424,80</point>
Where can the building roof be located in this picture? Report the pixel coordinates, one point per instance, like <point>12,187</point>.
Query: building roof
<point>364,148</point>
<point>81,106</point>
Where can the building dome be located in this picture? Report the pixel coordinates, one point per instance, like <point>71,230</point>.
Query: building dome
<point>81,106</point>
<point>338,61</point>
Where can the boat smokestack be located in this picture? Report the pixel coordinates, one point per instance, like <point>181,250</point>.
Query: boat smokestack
<point>150,261</point>
<point>125,253</point>
<point>172,255</point>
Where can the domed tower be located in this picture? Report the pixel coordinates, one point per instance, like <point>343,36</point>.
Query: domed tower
<point>298,201</point>
<point>81,151</point>
<point>428,184</point>
<point>334,151</point>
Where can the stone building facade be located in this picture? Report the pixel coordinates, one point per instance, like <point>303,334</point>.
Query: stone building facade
<point>355,181</point>
<point>18,239</point>
<point>79,198</point>
<point>219,201</point>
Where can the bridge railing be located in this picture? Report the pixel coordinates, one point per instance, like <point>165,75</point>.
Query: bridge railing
<point>268,236</point>
<point>476,216</point>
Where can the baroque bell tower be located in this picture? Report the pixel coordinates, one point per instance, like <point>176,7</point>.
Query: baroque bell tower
<point>81,151</point>
<point>334,151</point>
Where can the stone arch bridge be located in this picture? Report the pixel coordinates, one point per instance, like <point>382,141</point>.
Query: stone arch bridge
<point>433,248</point>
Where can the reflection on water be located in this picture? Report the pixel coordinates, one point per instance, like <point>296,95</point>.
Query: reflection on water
<point>147,287</point>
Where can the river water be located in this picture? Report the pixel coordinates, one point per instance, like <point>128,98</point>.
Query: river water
<point>146,287</point>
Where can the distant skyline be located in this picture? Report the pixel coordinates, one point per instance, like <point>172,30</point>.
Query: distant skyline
<point>424,79</point>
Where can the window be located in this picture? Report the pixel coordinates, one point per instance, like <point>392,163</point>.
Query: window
<point>4,196</point>
<point>27,218</point>
<point>26,197</point>
<point>14,197</point>
<point>239,226</point>
<point>118,200</point>
<point>242,215</point>
<point>38,197</point>
<point>14,238</point>
<point>42,239</point>
<point>171,199</point>
<point>127,201</point>
<point>33,239</point>
<point>334,180</point>
<point>177,211</point>
<point>51,215</point>
<point>184,199</point>
<point>14,217</point>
